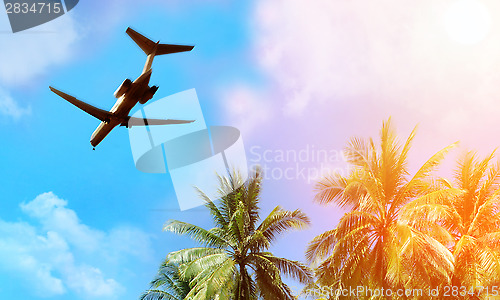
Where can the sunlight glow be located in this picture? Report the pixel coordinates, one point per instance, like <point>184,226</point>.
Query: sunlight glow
<point>467,21</point>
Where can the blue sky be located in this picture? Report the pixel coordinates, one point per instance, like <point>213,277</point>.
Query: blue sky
<point>294,76</point>
<point>77,223</point>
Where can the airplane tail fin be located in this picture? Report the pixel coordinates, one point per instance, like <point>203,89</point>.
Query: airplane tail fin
<point>150,47</point>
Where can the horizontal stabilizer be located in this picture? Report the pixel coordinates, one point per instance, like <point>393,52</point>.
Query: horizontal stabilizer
<point>100,114</point>
<point>148,46</point>
<point>169,48</point>
<point>146,122</point>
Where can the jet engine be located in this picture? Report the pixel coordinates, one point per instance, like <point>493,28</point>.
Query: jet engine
<point>148,94</point>
<point>123,88</point>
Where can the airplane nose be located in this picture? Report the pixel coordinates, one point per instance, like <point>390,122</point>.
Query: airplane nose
<point>93,141</point>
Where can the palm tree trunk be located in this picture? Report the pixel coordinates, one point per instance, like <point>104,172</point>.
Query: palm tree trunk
<point>243,293</point>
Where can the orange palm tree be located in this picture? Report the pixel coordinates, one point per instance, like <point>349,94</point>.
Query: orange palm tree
<point>473,221</point>
<point>373,245</point>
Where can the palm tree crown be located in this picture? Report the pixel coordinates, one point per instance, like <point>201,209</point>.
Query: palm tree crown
<point>473,221</point>
<point>378,242</point>
<point>234,262</point>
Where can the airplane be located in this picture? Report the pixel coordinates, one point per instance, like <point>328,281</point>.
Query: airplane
<point>129,93</point>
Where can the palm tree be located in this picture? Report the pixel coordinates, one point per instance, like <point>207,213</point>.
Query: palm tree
<point>473,221</point>
<point>168,284</point>
<point>233,261</point>
<point>374,245</point>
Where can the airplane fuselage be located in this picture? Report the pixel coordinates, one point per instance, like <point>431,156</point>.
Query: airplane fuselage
<point>122,107</point>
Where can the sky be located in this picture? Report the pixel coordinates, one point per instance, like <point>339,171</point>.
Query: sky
<point>297,78</point>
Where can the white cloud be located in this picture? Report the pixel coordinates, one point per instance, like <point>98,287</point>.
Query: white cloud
<point>90,282</point>
<point>9,107</point>
<point>50,258</point>
<point>28,54</point>
<point>247,107</point>
<point>126,241</point>
<point>20,252</point>
<point>374,59</point>
<point>54,216</point>
<point>325,50</point>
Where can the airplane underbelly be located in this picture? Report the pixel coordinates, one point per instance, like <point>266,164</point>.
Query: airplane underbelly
<point>101,132</point>
<point>123,107</point>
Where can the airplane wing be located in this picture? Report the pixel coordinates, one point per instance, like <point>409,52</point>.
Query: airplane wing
<point>145,122</point>
<point>100,114</point>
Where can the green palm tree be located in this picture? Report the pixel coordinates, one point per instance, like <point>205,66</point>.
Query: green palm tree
<point>234,261</point>
<point>473,220</point>
<point>168,284</point>
<point>374,244</point>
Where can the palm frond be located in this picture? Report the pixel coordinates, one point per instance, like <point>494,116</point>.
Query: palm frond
<point>280,221</point>
<point>167,285</point>
<point>158,295</point>
<point>418,182</point>
<point>290,268</point>
<point>204,264</point>
<point>197,233</point>
<point>190,254</point>
<point>330,189</point>
<point>321,246</point>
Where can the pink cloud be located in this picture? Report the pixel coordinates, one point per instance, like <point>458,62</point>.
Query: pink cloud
<point>354,63</point>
